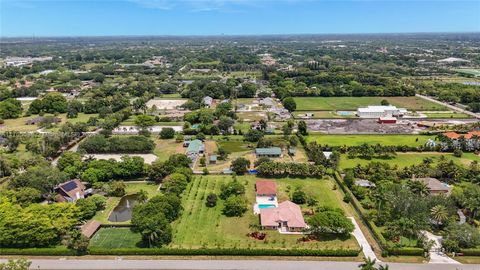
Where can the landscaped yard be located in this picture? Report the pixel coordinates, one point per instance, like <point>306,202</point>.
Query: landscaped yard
<point>409,159</point>
<point>115,238</point>
<point>352,103</point>
<point>200,226</point>
<point>355,140</point>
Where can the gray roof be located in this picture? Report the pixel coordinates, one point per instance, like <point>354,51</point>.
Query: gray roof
<point>272,151</point>
<point>434,184</point>
<point>364,183</point>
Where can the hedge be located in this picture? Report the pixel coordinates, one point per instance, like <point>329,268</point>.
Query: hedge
<point>63,251</point>
<point>227,252</point>
<point>54,251</point>
<point>405,251</point>
<point>470,251</point>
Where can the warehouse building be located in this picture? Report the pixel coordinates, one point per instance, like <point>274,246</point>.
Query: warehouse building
<point>380,111</point>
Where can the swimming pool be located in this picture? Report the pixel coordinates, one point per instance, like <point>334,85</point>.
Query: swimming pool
<point>263,206</point>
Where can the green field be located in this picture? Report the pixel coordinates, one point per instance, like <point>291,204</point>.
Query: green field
<point>409,159</point>
<point>440,115</point>
<point>116,238</point>
<point>474,72</point>
<point>234,146</point>
<point>200,226</point>
<point>352,103</point>
<point>322,115</point>
<point>18,124</point>
<point>355,140</point>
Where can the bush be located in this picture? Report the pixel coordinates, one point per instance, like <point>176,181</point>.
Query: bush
<point>235,206</point>
<point>211,200</point>
<point>167,133</point>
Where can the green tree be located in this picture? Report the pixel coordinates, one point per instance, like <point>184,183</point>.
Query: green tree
<point>20,264</point>
<point>144,121</point>
<point>368,264</point>
<point>299,196</point>
<point>289,104</point>
<point>302,128</point>
<point>240,165</point>
<point>330,221</point>
<point>235,206</point>
<point>439,214</point>
<point>232,188</point>
<point>167,133</point>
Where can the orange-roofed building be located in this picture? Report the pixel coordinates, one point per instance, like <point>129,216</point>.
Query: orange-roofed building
<point>287,217</point>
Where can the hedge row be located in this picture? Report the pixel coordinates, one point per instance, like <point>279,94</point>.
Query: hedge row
<point>470,251</point>
<point>227,252</point>
<point>56,251</point>
<point>405,251</point>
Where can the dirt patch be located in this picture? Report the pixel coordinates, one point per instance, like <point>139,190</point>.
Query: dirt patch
<point>165,104</point>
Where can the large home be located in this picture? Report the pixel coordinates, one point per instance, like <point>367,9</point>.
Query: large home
<point>266,195</point>
<point>194,147</point>
<point>434,185</point>
<point>287,217</point>
<point>469,141</point>
<point>380,111</point>
<point>71,191</point>
<point>268,152</point>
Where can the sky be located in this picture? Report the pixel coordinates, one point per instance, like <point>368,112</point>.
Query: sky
<point>234,17</point>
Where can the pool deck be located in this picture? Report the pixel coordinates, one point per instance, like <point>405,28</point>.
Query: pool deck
<point>264,200</point>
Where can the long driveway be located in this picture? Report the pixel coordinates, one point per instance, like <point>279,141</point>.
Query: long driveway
<point>362,241</point>
<point>455,108</point>
<point>120,264</point>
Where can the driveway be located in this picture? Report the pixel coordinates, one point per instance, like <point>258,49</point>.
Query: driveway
<point>362,241</point>
<point>436,254</point>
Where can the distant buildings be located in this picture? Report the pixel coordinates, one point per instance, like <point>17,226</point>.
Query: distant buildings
<point>23,61</point>
<point>42,119</point>
<point>380,111</point>
<point>451,60</point>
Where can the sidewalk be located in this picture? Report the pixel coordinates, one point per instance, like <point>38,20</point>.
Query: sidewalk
<point>362,241</point>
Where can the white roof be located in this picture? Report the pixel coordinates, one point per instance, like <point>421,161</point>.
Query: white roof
<point>381,109</point>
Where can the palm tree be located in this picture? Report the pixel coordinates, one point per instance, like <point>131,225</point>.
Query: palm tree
<point>439,214</point>
<point>383,267</point>
<point>419,188</point>
<point>368,264</point>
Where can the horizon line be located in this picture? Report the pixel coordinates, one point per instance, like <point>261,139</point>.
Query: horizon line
<point>240,35</point>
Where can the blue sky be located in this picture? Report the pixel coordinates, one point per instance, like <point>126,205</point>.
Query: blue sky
<point>234,17</point>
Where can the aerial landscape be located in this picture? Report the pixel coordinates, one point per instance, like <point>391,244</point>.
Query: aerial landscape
<point>275,149</point>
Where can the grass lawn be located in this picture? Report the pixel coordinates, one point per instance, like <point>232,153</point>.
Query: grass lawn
<point>235,146</point>
<point>355,140</point>
<point>116,238</point>
<point>352,103</point>
<point>408,159</point>
<point>165,148</point>
<point>18,124</point>
<point>441,115</point>
<point>200,226</point>
<point>252,116</point>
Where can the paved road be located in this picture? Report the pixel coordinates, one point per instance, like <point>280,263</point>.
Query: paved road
<point>455,108</point>
<point>226,265</point>
<point>362,241</point>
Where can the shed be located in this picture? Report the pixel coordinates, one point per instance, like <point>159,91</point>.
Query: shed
<point>213,159</point>
<point>292,151</point>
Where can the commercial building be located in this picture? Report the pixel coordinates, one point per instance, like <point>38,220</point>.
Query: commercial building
<point>380,111</point>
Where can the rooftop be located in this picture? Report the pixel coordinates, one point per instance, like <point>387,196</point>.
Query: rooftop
<point>286,211</point>
<point>266,187</point>
<point>195,146</point>
<point>272,151</point>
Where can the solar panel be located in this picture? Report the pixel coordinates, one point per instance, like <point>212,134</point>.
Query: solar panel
<point>69,186</point>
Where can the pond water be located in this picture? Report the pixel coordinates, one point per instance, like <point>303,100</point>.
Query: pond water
<point>123,211</point>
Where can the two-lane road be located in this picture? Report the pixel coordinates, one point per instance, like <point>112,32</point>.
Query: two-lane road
<point>67,264</point>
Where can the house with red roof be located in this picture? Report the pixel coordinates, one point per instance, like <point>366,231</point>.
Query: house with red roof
<point>71,191</point>
<point>287,217</point>
<point>466,141</point>
<point>266,195</point>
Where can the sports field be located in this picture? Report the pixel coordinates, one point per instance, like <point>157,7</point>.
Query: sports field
<point>116,238</point>
<point>352,103</point>
<point>201,226</point>
<point>355,140</point>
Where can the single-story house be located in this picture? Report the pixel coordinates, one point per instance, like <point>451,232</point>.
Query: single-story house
<point>434,185</point>
<point>40,119</point>
<point>213,159</point>
<point>287,217</point>
<point>268,152</point>
<point>266,188</point>
<point>207,101</point>
<point>195,147</point>
<point>71,191</point>
<point>364,183</point>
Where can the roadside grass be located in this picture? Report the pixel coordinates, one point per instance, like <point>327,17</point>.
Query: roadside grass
<point>116,238</point>
<point>410,158</point>
<point>355,140</point>
<point>352,103</point>
<point>200,226</point>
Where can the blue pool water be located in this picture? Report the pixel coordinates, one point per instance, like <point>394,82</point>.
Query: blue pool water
<point>345,113</point>
<point>263,206</point>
